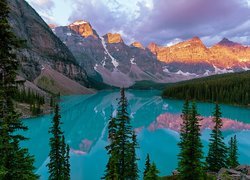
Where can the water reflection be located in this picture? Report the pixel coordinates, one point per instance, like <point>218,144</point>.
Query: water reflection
<point>156,121</point>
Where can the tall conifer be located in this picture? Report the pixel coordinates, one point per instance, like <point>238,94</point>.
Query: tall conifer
<point>232,160</point>
<point>217,153</point>
<point>55,164</point>
<point>59,167</point>
<point>147,166</point>
<point>190,165</point>
<point>122,157</point>
<point>134,171</point>
<point>15,161</point>
<point>183,156</point>
<point>111,172</point>
<point>152,174</point>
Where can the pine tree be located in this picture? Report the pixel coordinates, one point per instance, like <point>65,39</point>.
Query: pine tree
<point>55,164</point>
<point>232,160</point>
<point>59,166</point>
<point>134,171</point>
<point>111,172</point>
<point>67,163</point>
<point>15,162</point>
<point>190,165</point>
<point>217,154</point>
<point>147,166</point>
<point>122,157</point>
<point>65,160</point>
<point>183,156</point>
<point>152,174</point>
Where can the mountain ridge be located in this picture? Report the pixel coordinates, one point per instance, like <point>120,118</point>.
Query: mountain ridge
<point>42,48</point>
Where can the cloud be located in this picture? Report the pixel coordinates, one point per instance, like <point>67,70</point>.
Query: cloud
<point>42,5</point>
<point>163,21</point>
<point>44,8</point>
<point>187,18</point>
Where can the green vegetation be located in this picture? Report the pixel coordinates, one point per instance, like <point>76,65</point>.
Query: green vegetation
<point>147,85</point>
<point>29,97</point>
<point>122,163</point>
<point>232,160</point>
<point>227,88</point>
<point>190,165</point>
<point>35,100</point>
<point>59,167</point>
<point>15,162</point>
<point>150,172</point>
<point>217,153</point>
<point>147,166</point>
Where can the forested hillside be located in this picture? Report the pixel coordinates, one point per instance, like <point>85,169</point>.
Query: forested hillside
<point>231,88</point>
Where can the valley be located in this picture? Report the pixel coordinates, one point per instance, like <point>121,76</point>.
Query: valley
<point>131,94</point>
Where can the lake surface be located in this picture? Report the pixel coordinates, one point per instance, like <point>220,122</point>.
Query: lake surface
<point>85,120</point>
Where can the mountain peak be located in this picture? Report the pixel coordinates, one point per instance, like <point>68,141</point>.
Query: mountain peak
<point>227,42</point>
<point>52,26</point>
<point>83,28</point>
<point>113,38</point>
<point>196,39</point>
<point>79,22</point>
<point>137,45</point>
<point>153,47</point>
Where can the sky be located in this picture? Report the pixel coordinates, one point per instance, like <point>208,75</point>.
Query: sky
<point>164,22</point>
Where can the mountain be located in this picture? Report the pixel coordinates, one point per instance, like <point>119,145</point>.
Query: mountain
<point>192,56</point>
<point>108,59</point>
<point>43,49</point>
<point>137,45</point>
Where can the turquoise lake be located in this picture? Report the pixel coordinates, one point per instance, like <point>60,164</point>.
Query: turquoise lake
<point>85,120</point>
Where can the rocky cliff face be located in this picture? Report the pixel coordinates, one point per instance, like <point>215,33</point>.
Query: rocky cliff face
<point>193,56</point>
<point>83,28</point>
<point>113,38</point>
<point>137,45</point>
<point>108,59</point>
<point>42,46</point>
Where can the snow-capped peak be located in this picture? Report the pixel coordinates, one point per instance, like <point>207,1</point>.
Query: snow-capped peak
<point>77,23</point>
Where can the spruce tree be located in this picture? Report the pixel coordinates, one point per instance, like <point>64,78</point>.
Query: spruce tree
<point>152,174</point>
<point>183,156</point>
<point>122,157</point>
<point>55,164</point>
<point>15,162</point>
<point>147,166</point>
<point>134,171</point>
<point>232,160</point>
<point>124,138</point>
<point>112,149</point>
<point>65,159</point>
<point>190,165</point>
<point>217,153</point>
<point>67,163</point>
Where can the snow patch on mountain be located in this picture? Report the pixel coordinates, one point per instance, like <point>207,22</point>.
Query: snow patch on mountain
<point>222,71</point>
<point>165,69</point>
<point>207,73</point>
<point>132,61</point>
<point>77,23</point>
<point>246,68</point>
<point>114,61</point>
<point>185,73</point>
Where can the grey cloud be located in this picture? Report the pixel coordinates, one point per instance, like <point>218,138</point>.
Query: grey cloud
<point>169,19</point>
<point>43,5</point>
